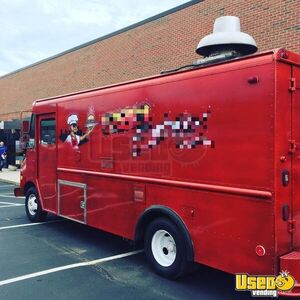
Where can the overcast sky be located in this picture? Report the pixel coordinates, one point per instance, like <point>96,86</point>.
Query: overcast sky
<point>31,30</point>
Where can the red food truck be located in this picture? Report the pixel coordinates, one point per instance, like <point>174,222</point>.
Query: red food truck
<point>200,165</point>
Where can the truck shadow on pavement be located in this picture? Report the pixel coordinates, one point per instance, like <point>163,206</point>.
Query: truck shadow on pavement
<point>88,243</point>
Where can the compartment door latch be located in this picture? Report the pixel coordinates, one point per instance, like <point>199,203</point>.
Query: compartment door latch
<point>291,226</point>
<point>82,204</point>
<point>292,146</point>
<point>292,84</point>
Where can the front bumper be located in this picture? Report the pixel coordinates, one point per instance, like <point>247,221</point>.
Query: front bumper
<point>19,192</point>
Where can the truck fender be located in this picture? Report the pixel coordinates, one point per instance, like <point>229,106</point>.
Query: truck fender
<point>27,186</point>
<point>31,184</point>
<point>160,211</point>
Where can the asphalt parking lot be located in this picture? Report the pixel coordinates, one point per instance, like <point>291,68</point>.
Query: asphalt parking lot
<point>61,259</point>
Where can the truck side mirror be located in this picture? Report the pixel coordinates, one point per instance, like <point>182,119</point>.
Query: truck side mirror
<point>25,138</point>
<point>25,126</point>
<point>24,141</point>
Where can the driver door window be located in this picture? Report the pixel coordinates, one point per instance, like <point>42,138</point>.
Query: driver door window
<point>48,132</point>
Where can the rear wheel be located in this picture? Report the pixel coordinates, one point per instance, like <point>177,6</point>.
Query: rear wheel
<point>166,249</point>
<point>33,206</point>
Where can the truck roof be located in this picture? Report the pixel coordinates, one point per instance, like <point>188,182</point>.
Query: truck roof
<point>279,54</point>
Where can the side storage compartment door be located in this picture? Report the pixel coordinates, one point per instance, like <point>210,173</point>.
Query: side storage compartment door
<point>72,200</point>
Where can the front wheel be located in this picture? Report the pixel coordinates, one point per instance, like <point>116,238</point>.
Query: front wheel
<point>33,206</point>
<point>165,249</point>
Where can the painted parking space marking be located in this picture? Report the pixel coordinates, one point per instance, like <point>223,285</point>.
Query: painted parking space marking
<point>4,206</point>
<point>11,203</point>
<point>29,224</point>
<point>67,267</point>
<point>7,196</point>
<point>7,193</point>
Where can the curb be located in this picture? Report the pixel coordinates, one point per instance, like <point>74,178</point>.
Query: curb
<point>9,176</point>
<point>10,181</point>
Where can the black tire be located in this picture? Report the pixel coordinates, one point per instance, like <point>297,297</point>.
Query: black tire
<point>162,258</point>
<point>34,214</point>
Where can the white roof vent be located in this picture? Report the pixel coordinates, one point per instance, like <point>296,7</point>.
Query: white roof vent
<point>227,36</point>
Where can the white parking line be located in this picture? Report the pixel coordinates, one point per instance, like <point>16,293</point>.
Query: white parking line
<point>29,224</point>
<point>67,267</point>
<point>3,206</point>
<point>7,196</point>
<point>7,193</point>
<point>10,203</point>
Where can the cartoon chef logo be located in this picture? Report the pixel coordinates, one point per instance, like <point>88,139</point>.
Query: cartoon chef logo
<point>75,136</point>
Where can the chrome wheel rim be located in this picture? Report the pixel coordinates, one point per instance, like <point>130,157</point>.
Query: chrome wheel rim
<point>163,248</point>
<point>32,205</point>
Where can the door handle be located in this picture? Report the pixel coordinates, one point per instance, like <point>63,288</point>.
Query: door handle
<point>82,204</point>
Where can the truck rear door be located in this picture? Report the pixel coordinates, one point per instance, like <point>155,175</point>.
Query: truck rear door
<point>294,89</point>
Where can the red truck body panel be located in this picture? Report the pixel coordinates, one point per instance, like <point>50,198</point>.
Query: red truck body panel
<point>213,144</point>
